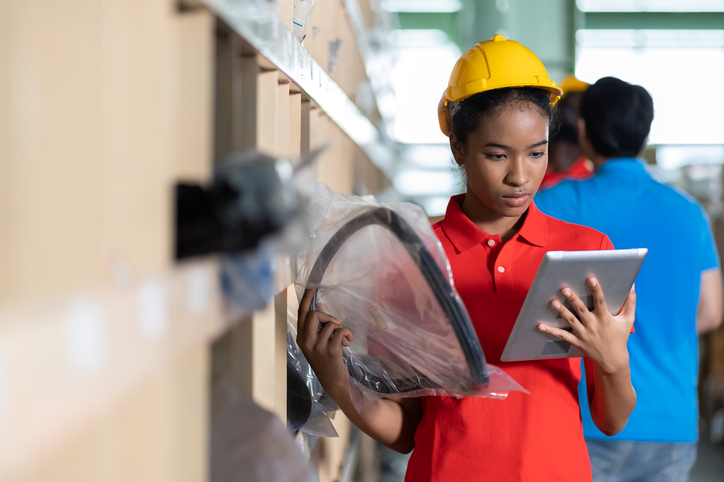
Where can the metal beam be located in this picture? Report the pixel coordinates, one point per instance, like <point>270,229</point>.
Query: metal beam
<point>259,24</point>
<point>654,20</point>
<point>445,21</point>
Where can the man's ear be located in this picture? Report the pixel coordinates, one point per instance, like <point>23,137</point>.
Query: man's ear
<point>457,148</point>
<point>585,143</point>
<point>582,134</point>
<point>643,147</point>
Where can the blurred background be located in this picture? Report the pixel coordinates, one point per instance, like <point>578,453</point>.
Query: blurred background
<point>121,355</point>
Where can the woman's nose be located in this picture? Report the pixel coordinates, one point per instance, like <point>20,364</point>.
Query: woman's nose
<point>517,173</point>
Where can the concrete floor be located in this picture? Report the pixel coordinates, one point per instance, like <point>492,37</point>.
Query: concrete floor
<point>709,465</point>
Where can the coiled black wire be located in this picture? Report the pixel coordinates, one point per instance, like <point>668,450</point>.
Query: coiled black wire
<point>439,285</point>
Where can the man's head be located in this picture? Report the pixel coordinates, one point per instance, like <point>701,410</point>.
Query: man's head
<point>616,117</point>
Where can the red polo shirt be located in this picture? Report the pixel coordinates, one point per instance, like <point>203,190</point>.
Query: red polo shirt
<point>526,437</point>
<point>581,169</point>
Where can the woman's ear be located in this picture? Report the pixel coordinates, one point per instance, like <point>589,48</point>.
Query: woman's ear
<point>457,148</point>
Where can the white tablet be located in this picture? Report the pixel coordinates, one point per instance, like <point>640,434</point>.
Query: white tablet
<point>616,271</point>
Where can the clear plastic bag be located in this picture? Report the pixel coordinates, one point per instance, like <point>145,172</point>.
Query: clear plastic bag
<point>251,214</point>
<point>301,11</point>
<point>390,283</point>
<point>247,277</point>
<point>306,412</point>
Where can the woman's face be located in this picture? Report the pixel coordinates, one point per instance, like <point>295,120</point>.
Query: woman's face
<point>506,157</point>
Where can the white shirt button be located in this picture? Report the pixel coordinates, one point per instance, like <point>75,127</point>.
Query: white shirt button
<point>501,269</point>
<point>491,242</point>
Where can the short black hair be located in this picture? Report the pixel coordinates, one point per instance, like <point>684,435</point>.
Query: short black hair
<point>483,105</point>
<point>618,117</point>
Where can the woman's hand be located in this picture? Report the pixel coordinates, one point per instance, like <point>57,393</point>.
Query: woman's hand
<point>323,348</point>
<point>600,335</point>
<point>390,422</point>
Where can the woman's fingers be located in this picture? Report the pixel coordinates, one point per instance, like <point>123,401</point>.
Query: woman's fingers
<point>340,337</point>
<point>318,331</point>
<point>308,331</point>
<point>599,300</point>
<point>326,333</point>
<point>597,333</point>
<point>332,338</point>
<point>629,306</point>
<point>313,332</point>
<point>304,305</point>
<point>576,303</point>
<point>566,314</point>
<point>562,334</point>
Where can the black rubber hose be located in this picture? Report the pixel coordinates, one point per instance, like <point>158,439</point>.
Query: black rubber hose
<point>438,283</point>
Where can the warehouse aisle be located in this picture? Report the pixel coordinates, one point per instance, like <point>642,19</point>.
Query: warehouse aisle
<point>709,465</point>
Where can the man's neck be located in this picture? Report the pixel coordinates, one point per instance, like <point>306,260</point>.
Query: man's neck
<point>598,160</point>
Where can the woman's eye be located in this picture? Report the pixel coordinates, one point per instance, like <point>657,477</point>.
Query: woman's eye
<point>538,154</point>
<point>496,156</point>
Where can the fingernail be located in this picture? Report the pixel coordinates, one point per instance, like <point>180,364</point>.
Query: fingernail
<point>556,304</point>
<point>542,328</point>
<point>566,292</point>
<point>592,282</point>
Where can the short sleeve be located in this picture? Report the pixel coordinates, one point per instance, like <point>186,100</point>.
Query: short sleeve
<point>708,251</point>
<point>605,243</point>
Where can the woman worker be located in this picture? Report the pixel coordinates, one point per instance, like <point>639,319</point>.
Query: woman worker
<point>496,112</point>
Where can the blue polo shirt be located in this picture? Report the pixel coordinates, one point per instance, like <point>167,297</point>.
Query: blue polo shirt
<point>623,201</point>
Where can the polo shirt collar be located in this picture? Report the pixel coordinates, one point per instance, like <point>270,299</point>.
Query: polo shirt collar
<point>464,234</point>
<point>622,165</point>
<point>535,227</point>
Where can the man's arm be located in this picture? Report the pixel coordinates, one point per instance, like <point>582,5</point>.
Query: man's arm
<point>711,301</point>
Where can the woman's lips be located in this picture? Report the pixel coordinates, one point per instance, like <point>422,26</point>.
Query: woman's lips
<point>517,199</point>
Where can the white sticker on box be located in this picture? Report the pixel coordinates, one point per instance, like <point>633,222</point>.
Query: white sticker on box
<point>152,312</point>
<point>197,296</point>
<point>86,337</point>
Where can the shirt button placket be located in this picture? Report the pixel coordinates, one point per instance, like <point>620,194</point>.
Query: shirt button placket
<point>503,276</point>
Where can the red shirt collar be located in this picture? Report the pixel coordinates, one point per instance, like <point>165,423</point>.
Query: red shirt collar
<point>464,234</point>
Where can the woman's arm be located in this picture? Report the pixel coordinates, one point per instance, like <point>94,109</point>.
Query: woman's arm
<point>602,337</point>
<point>611,398</point>
<point>390,422</point>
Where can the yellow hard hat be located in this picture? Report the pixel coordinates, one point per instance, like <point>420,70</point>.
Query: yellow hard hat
<point>494,64</point>
<point>571,84</point>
